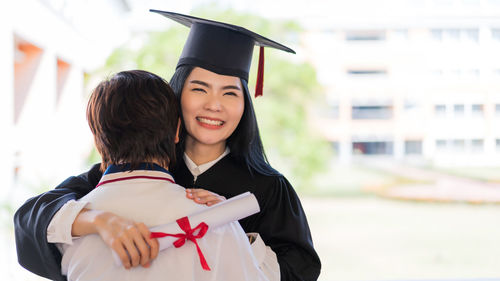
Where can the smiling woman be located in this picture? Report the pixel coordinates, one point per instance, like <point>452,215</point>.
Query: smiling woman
<point>212,106</point>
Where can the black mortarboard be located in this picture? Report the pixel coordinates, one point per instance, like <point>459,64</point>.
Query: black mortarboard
<point>223,48</point>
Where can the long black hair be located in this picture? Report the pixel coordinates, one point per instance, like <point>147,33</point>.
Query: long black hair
<point>245,143</point>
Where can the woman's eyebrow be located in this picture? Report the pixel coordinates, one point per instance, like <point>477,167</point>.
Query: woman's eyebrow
<point>200,83</point>
<point>231,87</point>
<point>228,87</point>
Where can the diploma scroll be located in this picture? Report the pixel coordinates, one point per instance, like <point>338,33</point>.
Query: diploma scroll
<point>230,210</point>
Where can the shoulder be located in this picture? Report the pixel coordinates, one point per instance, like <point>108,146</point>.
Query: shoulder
<point>233,164</point>
<point>85,181</point>
<point>268,189</point>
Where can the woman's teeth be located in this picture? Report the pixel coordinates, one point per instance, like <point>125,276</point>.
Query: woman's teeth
<point>210,122</point>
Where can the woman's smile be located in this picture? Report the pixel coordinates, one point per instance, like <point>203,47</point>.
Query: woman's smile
<point>210,123</point>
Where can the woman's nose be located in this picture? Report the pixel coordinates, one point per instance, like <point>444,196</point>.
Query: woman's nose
<point>213,104</point>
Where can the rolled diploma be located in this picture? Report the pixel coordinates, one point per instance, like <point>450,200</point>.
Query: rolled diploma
<point>233,209</point>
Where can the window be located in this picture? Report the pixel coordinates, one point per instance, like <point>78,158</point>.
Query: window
<point>471,35</point>
<point>472,73</point>
<point>437,34</point>
<point>497,109</point>
<point>372,112</point>
<point>437,73</point>
<point>458,145</point>
<point>365,35</point>
<point>411,105</point>
<point>399,34</point>
<point>477,109</point>
<point>459,110</point>
<point>441,144</point>
<point>336,147</point>
<point>495,34</point>
<point>440,110</point>
<point>477,145</point>
<point>413,147</point>
<point>451,34</point>
<point>455,35</point>
<point>456,73</point>
<point>372,148</point>
<point>366,72</point>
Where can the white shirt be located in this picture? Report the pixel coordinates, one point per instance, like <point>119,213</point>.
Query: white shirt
<point>59,229</point>
<point>155,200</point>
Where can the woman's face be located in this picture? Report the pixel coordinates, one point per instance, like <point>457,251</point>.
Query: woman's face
<point>212,106</point>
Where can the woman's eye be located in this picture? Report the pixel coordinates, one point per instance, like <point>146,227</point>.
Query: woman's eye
<point>231,94</point>
<point>199,90</point>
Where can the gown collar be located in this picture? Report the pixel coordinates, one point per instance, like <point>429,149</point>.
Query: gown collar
<point>197,170</point>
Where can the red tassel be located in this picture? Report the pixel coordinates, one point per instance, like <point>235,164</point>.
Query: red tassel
<point>260,74</point>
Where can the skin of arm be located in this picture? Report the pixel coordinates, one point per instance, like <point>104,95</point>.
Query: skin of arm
<point>130,240</point>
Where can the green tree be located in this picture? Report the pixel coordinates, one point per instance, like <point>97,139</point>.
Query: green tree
<point>290,89</point>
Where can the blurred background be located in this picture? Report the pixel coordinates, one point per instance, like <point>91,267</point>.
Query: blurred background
<point>386,121</point>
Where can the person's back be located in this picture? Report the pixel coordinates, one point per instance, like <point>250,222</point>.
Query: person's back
<point>134,195</point>
<point>134,119</point>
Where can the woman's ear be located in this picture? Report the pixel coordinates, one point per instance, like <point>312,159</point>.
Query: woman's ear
<point>178,129</point>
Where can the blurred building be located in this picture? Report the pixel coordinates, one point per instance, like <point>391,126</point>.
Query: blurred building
<point>46,49</point>
<point>412,80</point>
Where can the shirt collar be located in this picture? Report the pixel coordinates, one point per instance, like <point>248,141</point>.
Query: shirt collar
<point>143,166</point>
<point>197,170</point>
<point>145,170</point>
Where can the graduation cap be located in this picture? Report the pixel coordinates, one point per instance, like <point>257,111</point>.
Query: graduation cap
<point>222,48</point>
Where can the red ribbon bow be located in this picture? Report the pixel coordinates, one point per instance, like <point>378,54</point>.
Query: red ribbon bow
<point>188,235</point>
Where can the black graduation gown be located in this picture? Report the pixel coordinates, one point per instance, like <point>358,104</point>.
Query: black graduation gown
<point>281,221</point>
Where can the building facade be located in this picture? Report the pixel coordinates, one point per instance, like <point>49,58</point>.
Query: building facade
<point>413,80</point>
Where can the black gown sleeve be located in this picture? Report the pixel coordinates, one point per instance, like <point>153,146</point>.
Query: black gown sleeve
<point>33,217</point>
<point>283,225</point>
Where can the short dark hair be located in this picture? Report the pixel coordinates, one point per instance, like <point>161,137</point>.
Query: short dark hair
<point>133,116</point>
<point>245,142</point>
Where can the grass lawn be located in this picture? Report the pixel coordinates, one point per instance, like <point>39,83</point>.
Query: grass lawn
<point>351,181</point>
<point>369,238</point>
<point>490,174</point>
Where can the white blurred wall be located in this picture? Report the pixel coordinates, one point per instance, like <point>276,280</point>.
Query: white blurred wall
<point>47,47</point>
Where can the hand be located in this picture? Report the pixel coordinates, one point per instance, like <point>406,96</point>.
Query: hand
<point>130,240</point>
<point>202,196</point>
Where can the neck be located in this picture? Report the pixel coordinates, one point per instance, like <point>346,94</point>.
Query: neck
<point>201,153</point>
<point>155,161</point>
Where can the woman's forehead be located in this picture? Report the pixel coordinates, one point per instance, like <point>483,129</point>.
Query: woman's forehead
<point>212,78</point>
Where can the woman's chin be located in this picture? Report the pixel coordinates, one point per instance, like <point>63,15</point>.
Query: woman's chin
<point>210,142</point>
